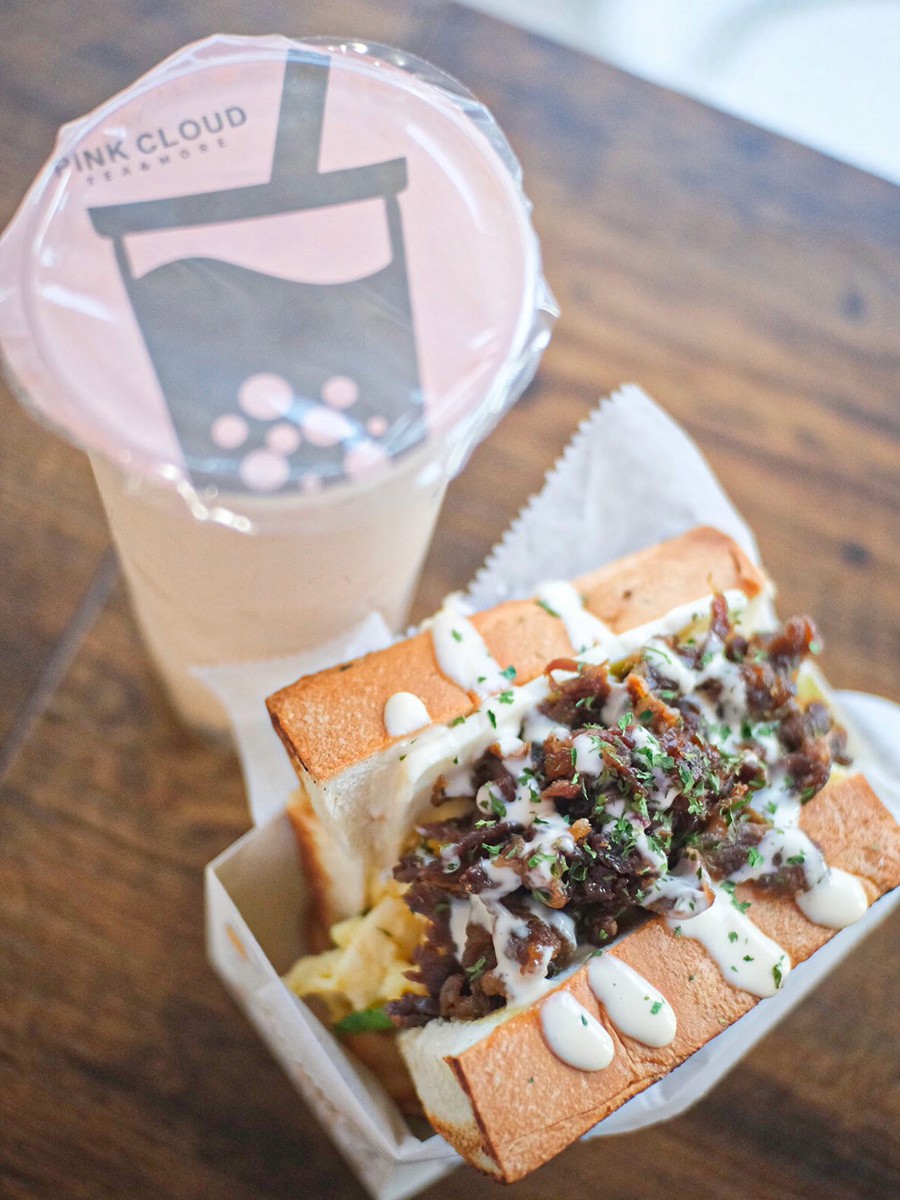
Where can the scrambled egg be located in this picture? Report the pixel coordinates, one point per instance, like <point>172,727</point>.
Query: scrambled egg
<point>368,964</point>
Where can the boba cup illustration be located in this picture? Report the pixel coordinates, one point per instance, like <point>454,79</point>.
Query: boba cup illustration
<point>277,290</point>
<point>289,382</point>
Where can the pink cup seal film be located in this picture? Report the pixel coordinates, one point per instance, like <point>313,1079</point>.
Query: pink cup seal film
<point>271,265</point>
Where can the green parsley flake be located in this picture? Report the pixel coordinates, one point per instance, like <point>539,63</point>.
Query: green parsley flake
<point>656,650</point>
<point>728,887</point>
<point>456,635</point>
<point>477,969</point>
<point>547,609</point>
<point>364,1022</point>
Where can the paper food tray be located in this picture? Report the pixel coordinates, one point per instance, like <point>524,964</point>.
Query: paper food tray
<point>255,890</point>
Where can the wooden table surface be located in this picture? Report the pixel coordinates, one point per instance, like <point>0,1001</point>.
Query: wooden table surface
<point>750,285</point>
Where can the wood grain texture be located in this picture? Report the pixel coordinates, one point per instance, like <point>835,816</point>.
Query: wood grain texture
<point>52,541</point>
<point>752,287</point>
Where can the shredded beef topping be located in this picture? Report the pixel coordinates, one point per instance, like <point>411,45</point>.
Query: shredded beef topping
<point>648,769</point>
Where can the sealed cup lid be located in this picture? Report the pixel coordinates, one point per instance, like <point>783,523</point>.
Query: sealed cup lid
<point>270,265</point>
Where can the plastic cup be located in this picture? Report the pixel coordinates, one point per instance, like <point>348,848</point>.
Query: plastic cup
<point>205,593</point>
<point>277,290</point>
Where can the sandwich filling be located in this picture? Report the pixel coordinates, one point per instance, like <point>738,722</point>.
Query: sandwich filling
<point>652,773</point>
<point>655,783</point>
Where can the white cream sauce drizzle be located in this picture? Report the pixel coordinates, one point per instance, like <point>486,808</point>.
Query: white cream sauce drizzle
<point>485,909</point>
<point>556,918</point>
<point>588,759</point>
<point>784,843</point>
<point>835,896</point>
<point>550,833</point>
<point>837,900</point>
<point>460,911</point>
<point>574,1035</point>
<point>538,727</point>
<point>582,627</point>
<point>405,713</point>
<point>747,958</point>
<point>675,621</point>
<point>682,893</point>
<point>461,652</point>
<point>459,781</point>
<point>439,745</point>
<point>632,1004</point>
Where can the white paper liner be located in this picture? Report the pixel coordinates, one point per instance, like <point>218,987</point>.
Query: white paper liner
<point>581,519</point>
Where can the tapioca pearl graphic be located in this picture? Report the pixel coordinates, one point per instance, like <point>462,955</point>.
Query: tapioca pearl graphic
<point>325,427</point>
<point>283,438</point>
<point>363,459</point>
<point>377,426</point>
<point>263,471</point>
<point>229,431</point>
<point>340,391</point>
<point>266,397</point>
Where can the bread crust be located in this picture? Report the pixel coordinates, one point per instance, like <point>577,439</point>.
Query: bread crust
<point>528,1105</point>
<point>320,862</point>
<point>333,720</point>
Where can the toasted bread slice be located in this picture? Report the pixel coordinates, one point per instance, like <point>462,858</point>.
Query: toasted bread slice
<point>501,1097</point>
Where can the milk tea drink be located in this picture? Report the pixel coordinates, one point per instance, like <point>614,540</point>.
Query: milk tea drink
<point>277,290</point>
<point>205,593</point>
